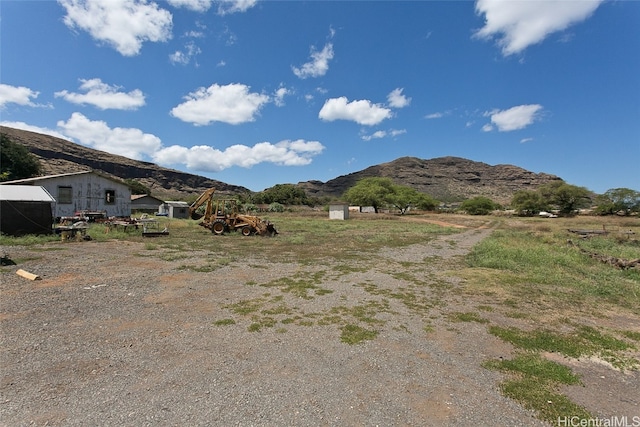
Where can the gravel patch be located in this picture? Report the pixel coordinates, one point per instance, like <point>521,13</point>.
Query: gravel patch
<point>113,334</point>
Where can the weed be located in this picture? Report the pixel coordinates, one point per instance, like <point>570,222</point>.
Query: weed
<point>224,322</point>
<point>207,268</point>
<point>354,334</point>
<point>548,403</point>
<point>534,383</point>
<point>632,335</point>
<point>583,341</point>
<point>467,317</point>
<point>247,306</point>
<point>300,286</point>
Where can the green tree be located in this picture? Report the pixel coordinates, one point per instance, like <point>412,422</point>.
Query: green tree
<point>379,192</point>
<point>479,206</point>
<point>618,200</point>
<point>373,191</point>
<point>16,162</point>
<point>528,202</point>
<point>137,187</point>
<point>285,194</point>
<point>403,197</point>
<point>565,197</point>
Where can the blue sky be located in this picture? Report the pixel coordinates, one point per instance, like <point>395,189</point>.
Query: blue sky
<point>258,93</point>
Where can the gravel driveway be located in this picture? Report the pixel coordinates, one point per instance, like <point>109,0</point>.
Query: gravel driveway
<point>115,335</point>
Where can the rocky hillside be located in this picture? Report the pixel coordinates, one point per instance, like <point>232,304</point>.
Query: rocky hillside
<point>445,178</point>
<point>60,156</point>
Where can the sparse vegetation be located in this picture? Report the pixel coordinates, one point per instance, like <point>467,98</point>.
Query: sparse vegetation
<point>524,270</point>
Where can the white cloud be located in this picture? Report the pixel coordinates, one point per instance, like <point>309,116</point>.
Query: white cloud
<point>36,129</point>
<point>209,159</point>
<point>514,118</point>
<point>520,24</point>
<point>128,142</point>
<point>525,140</point>
<point>17,95</point>
<point>123,24</point>
<point>195,5</point>
<point>135,144</point>
<point>383,134</point>
<point>232,104</point>
<point>397,100</point>
<point>376,135</point>
<point>318,65</point>
<point>434,116</point>
<point>280,93</point>
<point>362,112</point>
<point>226,7</point>
<point>104,96</point>
<point>183,57</point>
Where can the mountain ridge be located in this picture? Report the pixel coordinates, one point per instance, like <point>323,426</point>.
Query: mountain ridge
<point>444,178</point>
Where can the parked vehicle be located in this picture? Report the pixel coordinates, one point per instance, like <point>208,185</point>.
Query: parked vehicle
<point>222,215</point>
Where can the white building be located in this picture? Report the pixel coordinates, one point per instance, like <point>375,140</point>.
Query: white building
<point>87,191</point>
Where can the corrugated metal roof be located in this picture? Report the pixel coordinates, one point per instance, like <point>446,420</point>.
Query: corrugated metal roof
<point>25,193</point>
<point>177,204</point>
<point>40,178</point>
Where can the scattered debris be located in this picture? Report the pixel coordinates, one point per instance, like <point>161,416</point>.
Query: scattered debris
<point>27,275</point>
<point>621,263</point>
<point>5,260</point>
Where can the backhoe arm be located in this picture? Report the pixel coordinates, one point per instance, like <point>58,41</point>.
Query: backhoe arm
<point>204,198</point>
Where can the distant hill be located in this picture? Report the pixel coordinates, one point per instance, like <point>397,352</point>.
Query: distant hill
<point>61,156</point>
<point>445,178</point>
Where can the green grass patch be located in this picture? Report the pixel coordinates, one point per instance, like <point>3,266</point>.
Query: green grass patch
<point>540,397</point>
<point>467,317</point>
<point>583,341</point>
<point>302,285</point>
<point>354,334</point>
<point>224,322</point>
<point>527,265</point>
<point>534,382</point>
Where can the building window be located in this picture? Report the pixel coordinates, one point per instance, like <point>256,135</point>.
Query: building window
<point>65,195</point>
<point>110,197</point>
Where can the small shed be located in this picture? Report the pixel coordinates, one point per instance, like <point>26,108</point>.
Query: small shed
<point>174,209</point>
<point>145,203</point>
<point>339,211</point>
<point>25,209</point>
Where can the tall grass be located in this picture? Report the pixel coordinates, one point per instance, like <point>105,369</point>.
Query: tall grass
<point>544,264</point>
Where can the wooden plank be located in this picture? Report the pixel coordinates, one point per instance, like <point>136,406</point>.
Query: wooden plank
<point>27,275</point>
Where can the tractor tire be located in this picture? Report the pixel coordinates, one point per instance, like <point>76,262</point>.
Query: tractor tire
<point>218,226</point>
<point>246,230</point>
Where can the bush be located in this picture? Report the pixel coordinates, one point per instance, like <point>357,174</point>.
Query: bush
<point>479,206</point>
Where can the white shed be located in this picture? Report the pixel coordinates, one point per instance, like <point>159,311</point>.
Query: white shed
<point>87,191</point>
<point>175,209</point>
<point>339,211</point>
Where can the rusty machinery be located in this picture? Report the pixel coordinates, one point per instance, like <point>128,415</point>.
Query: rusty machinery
<point>221,215</point>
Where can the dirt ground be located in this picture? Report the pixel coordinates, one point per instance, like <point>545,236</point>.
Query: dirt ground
<point>115,334</point>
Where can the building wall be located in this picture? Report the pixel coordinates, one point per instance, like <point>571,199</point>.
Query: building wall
<point>338,212</point>
<point>178,212</point>
<point>90,192</point>
<point>20,217</point>
<point>146,204</point>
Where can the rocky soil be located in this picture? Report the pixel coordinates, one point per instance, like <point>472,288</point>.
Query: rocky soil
<point>117,333</point>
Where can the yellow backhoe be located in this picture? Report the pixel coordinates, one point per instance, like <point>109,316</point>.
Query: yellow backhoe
<point>221,215</point>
